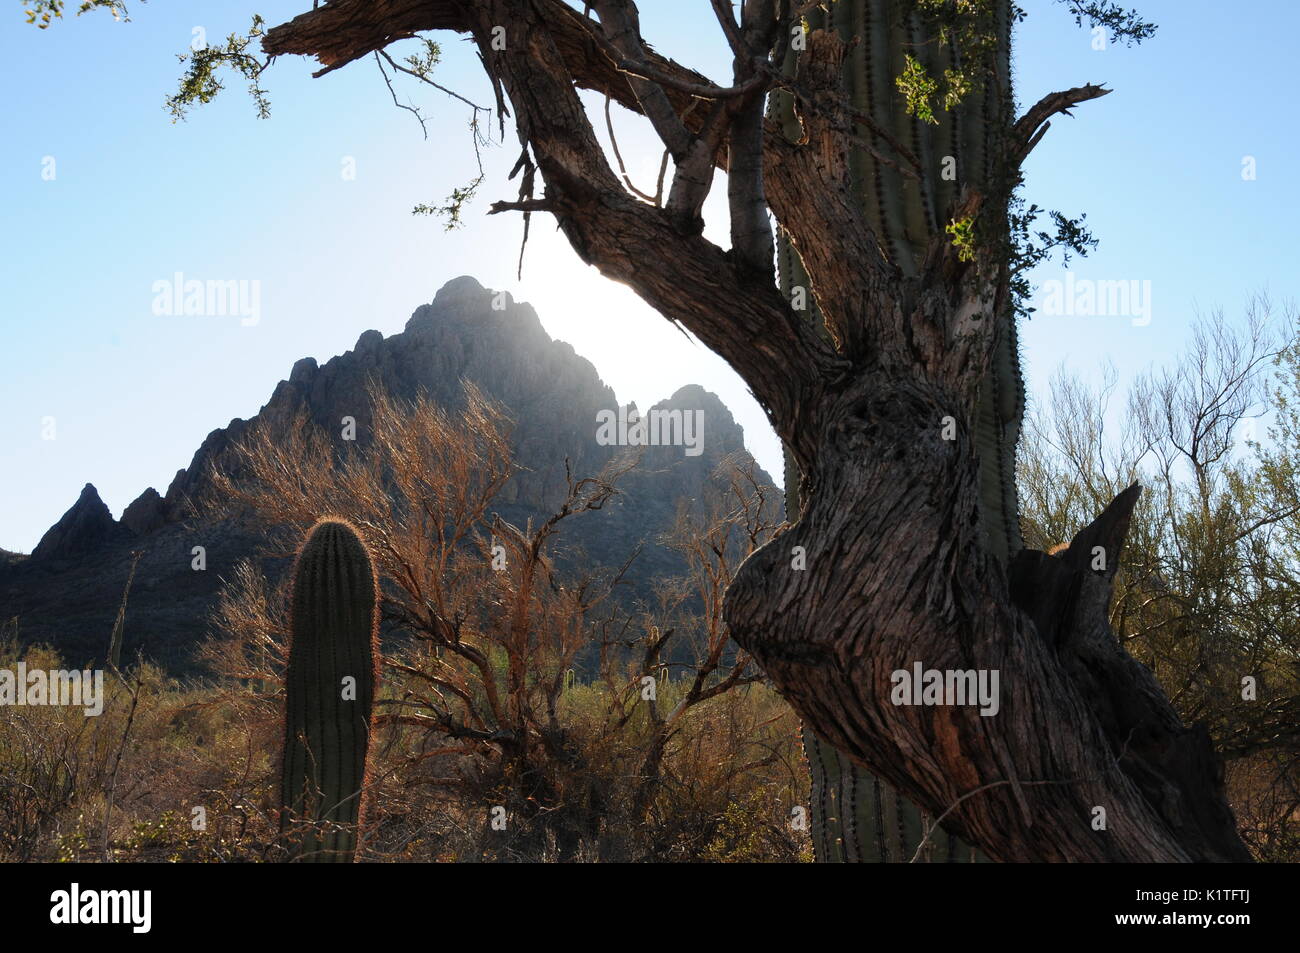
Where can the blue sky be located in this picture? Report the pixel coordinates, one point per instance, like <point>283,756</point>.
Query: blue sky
<point>134,199</point>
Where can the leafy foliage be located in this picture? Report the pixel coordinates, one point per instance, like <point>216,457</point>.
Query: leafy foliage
<point>43,12</point>
<point>1126,25</point>
<point>422,64</point>
<point>968,26</point>
<point>918,88</point>
<point>200,84</point>
<point>1209,579</point>
<point>1031,248</point>
<point>454,206</point>
<point>963,238</point>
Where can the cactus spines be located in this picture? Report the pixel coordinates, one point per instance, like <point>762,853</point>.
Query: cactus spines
<point>329,691</point>
<point>857,818</point>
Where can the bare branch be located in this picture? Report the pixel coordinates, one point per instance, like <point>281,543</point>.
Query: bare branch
<point>1026,134</point>
<point>622,167</point>
<point>722,10</point>
<point>438,86</point>
<point>389,83</point>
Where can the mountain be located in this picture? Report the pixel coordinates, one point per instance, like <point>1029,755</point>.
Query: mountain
<point>68,590</point>
<point>86,528</point>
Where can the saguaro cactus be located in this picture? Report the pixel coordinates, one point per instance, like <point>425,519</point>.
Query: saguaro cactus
<point>329,691</point>
<point>857,817</point>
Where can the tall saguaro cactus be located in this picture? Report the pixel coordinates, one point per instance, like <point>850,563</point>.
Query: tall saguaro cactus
<point>329,692</point>
<point>898,50</point>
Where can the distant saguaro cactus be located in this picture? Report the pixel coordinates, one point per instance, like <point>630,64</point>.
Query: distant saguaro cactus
<point>329,692</point>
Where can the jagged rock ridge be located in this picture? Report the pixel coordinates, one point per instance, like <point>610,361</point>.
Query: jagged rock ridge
<point>86,527</point>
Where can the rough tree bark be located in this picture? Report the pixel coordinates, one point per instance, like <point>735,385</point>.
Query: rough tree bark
<point>899,569</point>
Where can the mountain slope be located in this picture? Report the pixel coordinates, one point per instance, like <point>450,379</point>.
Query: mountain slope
<point>67,591</point>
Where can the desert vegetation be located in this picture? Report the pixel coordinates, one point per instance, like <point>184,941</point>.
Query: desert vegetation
<point>523,713</point>
<point>1208,591</point>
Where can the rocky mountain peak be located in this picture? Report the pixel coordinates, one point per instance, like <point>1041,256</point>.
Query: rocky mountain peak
<point>83,528</point>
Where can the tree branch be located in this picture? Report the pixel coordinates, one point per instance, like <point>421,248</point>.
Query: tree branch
<point>1026,134</point>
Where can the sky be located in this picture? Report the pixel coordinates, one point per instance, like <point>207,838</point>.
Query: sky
<point>1188,173</point>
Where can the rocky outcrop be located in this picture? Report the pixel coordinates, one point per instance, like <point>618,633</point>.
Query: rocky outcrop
<point>68,590</point>
<point>84,528</point>
<point>145,514</point>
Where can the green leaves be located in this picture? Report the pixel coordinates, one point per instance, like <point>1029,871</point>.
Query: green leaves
<point>959,85</point>
<point>967,25</point>
<point>1030,248</point>
<point>1122,24</point>
<point>423,64</point>
<point>200,83</point>
<point>43,12</point>
<point>456,203</point>
<point>963,237</point>
<point>918,88</point>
